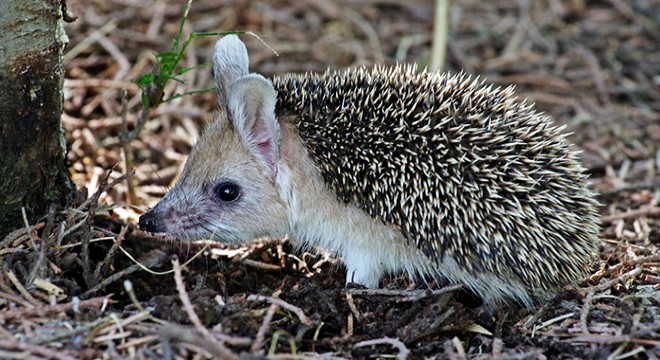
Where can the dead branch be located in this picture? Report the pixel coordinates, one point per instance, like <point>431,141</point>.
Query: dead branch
<point>403,350</point>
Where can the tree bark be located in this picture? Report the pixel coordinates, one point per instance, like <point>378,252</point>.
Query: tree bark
<point>33,169</point>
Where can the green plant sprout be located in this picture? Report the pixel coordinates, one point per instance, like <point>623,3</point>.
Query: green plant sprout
<point>167,69</point>
<point>153,85</point>
<point>167,66</point>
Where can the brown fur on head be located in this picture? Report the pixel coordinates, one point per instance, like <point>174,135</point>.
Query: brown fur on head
<point>227,187</point>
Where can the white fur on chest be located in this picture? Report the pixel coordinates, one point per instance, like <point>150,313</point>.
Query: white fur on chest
<point>369,247</point>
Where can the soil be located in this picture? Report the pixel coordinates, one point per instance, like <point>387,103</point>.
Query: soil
<point>86,283</point>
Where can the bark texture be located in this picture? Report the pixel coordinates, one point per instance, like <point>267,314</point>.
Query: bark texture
<point>33,169</point>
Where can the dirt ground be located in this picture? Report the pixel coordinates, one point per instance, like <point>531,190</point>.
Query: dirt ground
<point>84,283</point>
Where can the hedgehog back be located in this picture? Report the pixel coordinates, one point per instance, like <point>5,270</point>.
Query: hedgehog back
<point>462,168</point>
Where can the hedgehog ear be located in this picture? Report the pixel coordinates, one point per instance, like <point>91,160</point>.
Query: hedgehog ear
<point>230,62</point>
<point>251,106</point>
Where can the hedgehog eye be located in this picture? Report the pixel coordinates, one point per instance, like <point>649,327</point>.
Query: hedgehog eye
<point>227,191</point>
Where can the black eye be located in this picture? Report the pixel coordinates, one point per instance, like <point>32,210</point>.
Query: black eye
<point>227,191</point>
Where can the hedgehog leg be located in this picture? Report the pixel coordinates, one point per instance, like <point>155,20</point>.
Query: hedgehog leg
<point>384,251</point>
<point>363,268</point>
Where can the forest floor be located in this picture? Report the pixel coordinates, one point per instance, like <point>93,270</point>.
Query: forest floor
<point>86,283</point>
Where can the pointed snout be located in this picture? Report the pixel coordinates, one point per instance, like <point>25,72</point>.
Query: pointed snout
<point>149,222</point>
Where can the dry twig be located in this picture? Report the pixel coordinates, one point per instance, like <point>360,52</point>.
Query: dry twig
<point>220,349</point>
<point>294,309</point>
<point>263,329</point>
<point>45,310</point>
<point>647,211</point>
<point>36,350</point>
<point>403,350</point>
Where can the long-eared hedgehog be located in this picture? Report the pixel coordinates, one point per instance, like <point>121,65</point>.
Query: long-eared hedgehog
<point>437,175</point>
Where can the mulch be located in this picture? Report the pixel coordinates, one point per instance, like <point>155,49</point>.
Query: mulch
<point>84,282</point>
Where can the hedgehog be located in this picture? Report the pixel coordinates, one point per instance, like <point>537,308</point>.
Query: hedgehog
<point>440,176</point>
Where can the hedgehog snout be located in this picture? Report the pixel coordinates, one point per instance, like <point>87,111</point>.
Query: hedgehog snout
<point>149,222</point>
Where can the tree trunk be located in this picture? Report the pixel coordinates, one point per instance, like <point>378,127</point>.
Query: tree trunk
<point>33,168</point>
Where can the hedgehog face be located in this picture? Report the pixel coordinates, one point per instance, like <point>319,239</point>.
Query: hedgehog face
<point>224,193</point>
<point>227,189</point>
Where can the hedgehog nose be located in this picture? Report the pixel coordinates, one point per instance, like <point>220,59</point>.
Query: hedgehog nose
<point>148,222</point>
